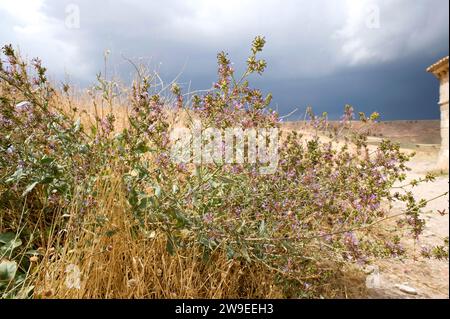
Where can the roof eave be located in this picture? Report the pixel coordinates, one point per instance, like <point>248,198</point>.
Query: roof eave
<point>438,67</point>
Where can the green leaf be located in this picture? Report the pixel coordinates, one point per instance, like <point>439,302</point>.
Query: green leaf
<point>244,253</point>
<point>30,188</point>
<point>169,246</point>
<point>111,232</point>
<point>181,219</point>
<point>198,172</point>
<point>230,252</point>
<point>142,148</point>
<point>157,191</point>
<point>46,160</point>
<point>93,130</point>
<point>47,180</point>
<point>77,125</point>
<point>9,247</point>
<point>33,252</point>
<point>16,176</point>
<point>8,271</point>
<point>146,202</point>
<point>262,228</point>
<point>7,237</point>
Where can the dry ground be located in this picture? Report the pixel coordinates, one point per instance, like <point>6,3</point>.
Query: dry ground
<point>408,133</point>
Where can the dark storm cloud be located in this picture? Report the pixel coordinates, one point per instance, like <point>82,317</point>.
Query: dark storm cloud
<point>322,53</point>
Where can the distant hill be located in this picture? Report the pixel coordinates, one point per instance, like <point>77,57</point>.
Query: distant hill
<point>416,131</point>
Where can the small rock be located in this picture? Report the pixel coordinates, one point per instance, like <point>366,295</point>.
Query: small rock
<point>406,289</point>
<point>373,281</point>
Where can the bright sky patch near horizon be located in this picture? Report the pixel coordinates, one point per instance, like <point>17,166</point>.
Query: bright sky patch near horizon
<point>324,53</point>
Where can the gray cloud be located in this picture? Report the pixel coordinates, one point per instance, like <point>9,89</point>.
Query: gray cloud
<point>309,42</point>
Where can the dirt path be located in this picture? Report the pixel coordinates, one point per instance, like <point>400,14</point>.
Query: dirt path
<point>427,278</point>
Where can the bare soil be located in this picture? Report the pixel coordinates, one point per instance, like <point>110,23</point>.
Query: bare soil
<point>408,133</point>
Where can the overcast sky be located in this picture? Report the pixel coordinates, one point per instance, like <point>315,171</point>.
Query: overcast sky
<point>324,53</point>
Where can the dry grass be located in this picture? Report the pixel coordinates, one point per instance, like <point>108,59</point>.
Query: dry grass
<point>117,262</point>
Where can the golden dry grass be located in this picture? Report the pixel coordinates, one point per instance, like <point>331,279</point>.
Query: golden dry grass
<point>117,262</point>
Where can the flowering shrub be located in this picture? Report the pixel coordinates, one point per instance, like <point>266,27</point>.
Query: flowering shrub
<point>42,147</point>
<point>317,209</point>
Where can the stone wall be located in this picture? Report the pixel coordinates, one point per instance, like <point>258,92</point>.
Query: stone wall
<point>440,70</point>
<point>444,153</point>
